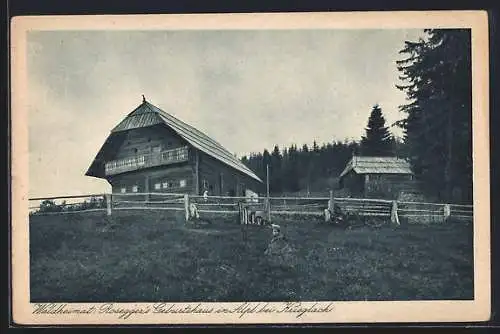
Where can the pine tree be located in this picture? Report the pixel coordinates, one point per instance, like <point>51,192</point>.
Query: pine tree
<point>276,171</point>
<point>266,160</point>
<point>378,140</point>
<point>292,169</point>
<point>315,147</point>
<point>437,127</point>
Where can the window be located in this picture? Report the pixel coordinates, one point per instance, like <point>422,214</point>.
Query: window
<point>123,190</point>
<point>181,154</point>
<point>168,155</point>
<point>135,189</point>
<point>182,183</point>
<point>165,185</point>
<point>157,186</point>
<point>205,184</point>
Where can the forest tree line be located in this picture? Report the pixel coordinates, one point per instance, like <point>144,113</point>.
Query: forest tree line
<point>293,168</point>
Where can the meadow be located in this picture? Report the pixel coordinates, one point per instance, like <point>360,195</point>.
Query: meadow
<point>154,256</point>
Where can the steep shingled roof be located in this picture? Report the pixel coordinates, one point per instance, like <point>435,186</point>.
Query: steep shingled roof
<point>147,114</point>
<point>377,165</point>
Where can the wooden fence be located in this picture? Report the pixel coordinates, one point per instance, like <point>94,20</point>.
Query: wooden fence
<point>396,211</point>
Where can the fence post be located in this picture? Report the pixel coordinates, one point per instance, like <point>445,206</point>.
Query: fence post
<point>240,213</point>
<point>394,213</point>
<point>331,202</point>
<point>268,209</point>
<point>327,216</point>
<point>186,206</point>
<point>447,212</point>
<point>108,203</point>
<point>244,214</point>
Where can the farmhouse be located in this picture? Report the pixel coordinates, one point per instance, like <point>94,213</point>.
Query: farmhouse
<point>152,151</point>
<point>384,177</point>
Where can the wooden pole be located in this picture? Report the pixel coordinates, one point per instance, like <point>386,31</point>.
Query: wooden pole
<point>331,201</point>
<point>394,213</point>
<point>108,204</point>
<point>267,180</point>
<point>186,206</point>
<point>240,215</point>
<point>146,188</point>
<point>447,212</point>
<point>197,173</point>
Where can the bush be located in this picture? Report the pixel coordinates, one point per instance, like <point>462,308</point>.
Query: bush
<point>411,197</point>
<point>50,206</point>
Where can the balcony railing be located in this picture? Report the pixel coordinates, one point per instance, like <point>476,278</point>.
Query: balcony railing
<point>145,161</point>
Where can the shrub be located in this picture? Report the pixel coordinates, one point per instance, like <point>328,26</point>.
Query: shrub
<point>49,206</point>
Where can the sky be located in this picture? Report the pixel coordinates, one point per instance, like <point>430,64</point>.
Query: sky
<point>249,90</point>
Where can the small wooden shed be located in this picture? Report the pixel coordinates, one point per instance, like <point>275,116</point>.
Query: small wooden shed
<point>377,177</point>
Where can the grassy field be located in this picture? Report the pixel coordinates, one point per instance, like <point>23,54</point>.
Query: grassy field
<point>148,257</point>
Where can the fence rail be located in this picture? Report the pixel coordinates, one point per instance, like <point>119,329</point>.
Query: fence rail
<point>193,205</point>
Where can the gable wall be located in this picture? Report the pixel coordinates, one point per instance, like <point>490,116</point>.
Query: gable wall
<point>144,139</point>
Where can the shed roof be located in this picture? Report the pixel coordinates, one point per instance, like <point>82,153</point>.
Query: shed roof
<point>147,114</point>
<point>377,165</point>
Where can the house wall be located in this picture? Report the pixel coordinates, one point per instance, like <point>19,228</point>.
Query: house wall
<point>199,172</point>
<point>169,179</point>
<point>142,141</point>
<point>386,185</point>
<point>216,177</point>
<point>221,180</point>
<point>354,183</point>
<point>377,185</point>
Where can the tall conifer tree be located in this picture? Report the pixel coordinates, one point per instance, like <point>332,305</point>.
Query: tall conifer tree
<point>378,140</point>
<point>437,127</point>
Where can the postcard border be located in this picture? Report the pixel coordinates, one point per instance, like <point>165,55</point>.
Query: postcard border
<point>344,312</point>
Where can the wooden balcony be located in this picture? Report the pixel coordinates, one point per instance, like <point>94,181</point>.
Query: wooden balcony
<point>146,161</point>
